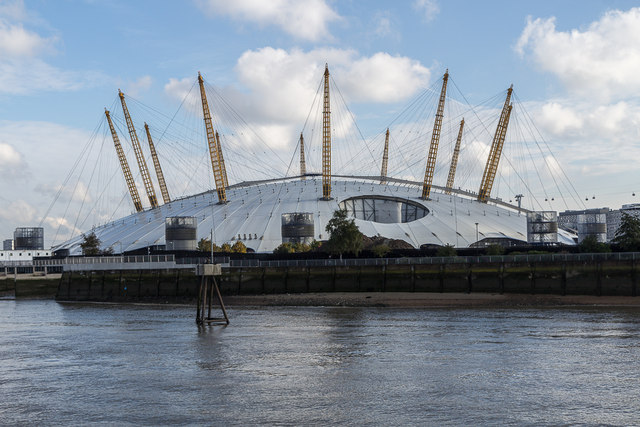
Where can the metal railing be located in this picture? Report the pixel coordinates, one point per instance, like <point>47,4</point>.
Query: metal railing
<point>105,260</point>
<point>16,264</point>
<point>599,257</point>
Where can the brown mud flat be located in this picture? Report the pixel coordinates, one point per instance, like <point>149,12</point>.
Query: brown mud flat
<point>427,300</point>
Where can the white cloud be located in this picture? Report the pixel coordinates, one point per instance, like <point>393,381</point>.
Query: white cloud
<point>559,119</point>
<point>590,137</point>
<point>19,211</point>
<point>140,85</point>
<point>61,228</point>
<point>385,78</point>
<point>77,193</point>
<point>428,8</point>
<point>280,85</point>
<point>10,158</point>
<point>295,74</point>
<point>601,61</point>
<point>13,10</point>
<point>16,41</point>
<point>307,20</point>
<point>383,26</point>
<point>22,68</point>
<point>29,75</point>
<point>275,92</point>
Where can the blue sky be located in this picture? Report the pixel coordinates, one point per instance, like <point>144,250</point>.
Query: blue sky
<point>574,65</point>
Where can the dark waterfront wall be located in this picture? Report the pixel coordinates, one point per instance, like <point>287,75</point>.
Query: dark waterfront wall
<point>607,278</point>
<point>29,288</point>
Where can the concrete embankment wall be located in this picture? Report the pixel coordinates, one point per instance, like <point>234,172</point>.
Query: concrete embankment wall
<point>28,286</point>
<point>610,278</point>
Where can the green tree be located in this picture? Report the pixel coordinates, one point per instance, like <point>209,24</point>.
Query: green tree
<point>204,245</point>
<point>380,250</point>
<point>344,235</point>
<point>301,247</point>
<point>628,234</point>
<point>284,248</point>
<point>591,245</point>
<point>239,247</point>
<point>226,248</point>
<point>446,250</point>
<point>90,244</point>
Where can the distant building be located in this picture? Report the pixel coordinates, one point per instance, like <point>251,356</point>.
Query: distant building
<point>9,257</point>
<point>28,238</point>
<point>588,222</point>
<point>542,227</point>
<point>7,245</point>
<point>615,216</point>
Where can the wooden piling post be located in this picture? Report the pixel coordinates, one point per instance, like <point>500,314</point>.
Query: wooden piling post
<point>532,268</point>
<point>209,285</point>
<point>599,279</point>
<point>413,278</point>
<point>634,278</point>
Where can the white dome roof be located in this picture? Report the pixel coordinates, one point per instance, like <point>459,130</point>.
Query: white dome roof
<point>254,211</point>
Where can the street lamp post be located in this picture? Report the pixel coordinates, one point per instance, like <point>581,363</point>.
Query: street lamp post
<point>477,234</point>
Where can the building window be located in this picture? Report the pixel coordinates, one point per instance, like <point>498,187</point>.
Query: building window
<point>387,210</point>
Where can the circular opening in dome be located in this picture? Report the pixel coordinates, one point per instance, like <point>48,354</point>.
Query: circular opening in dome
<point>386,210</point>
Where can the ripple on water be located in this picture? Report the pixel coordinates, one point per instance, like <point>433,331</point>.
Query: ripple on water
<point>125,364</point>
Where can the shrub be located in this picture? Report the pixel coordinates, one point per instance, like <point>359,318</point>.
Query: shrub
<point>495,250</point>
<point>380,250</point>
<point>446,251</point>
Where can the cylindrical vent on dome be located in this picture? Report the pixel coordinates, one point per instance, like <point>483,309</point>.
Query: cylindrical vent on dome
<point>181,233</point>
<point>297,227</point>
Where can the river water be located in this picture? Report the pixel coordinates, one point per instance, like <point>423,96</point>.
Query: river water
<point>130,364</point>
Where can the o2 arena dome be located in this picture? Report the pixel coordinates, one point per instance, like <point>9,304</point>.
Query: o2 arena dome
<point>264,213</point>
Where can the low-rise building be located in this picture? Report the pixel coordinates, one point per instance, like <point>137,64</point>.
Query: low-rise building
<point>21,255</point>
<point>587,222</point>
<point>615,216</point>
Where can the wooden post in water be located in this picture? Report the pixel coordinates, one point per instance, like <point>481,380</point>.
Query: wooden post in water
<point>209,285</point>
<point>634,278</point>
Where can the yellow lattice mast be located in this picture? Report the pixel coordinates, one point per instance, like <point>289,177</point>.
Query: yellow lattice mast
<point>156,164</point>
<point>303,165</point>
<point>142,164</point>
<point>223,168</point>
<point>454,160</point>
<point>435,139</point>
<point>385,159</point>
<point>326,139</point>
<point>491,168</point>
<point>133,191</point>
<point>214,152</point>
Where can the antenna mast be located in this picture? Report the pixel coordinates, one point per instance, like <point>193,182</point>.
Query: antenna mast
<point>435,139</point>
<point>454,160</point>
<point>326,139</point>
<point>133,191</point>
<point>222,166</point>
<point>303,165</point>
<point>156,164</point>
<point>491,168</point>
<point>214,152</point>
<point>144,171</point>
<point>385,159</point>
